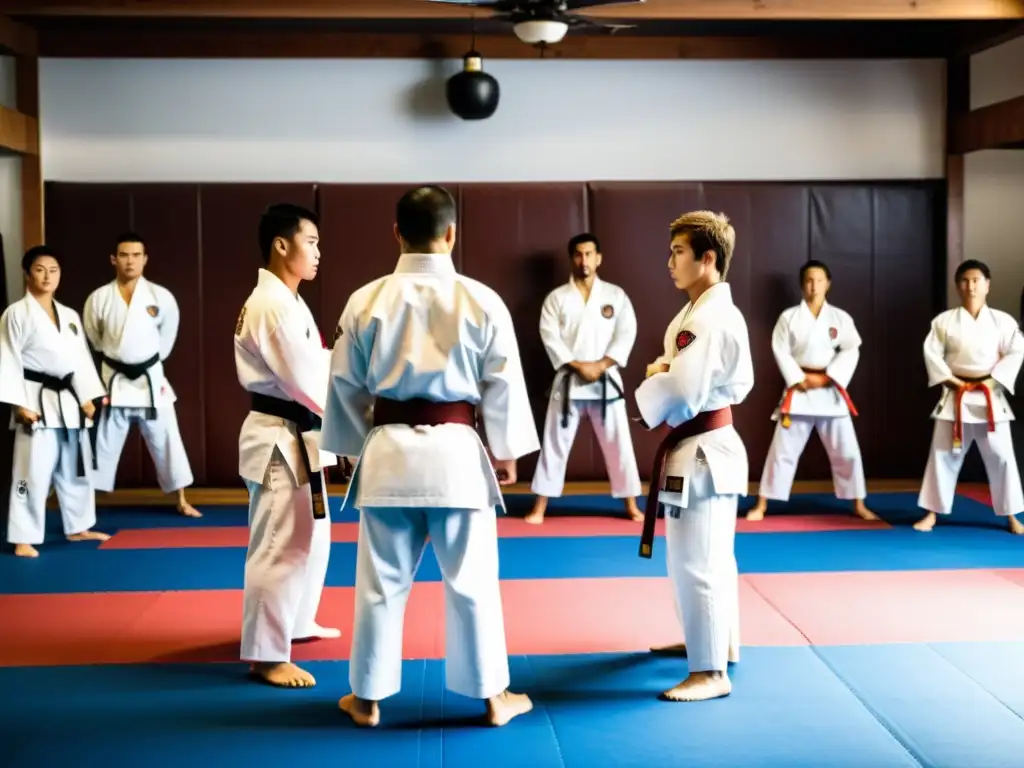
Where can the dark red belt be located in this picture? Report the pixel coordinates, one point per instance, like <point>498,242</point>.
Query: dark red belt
<point>787,399</point>
<point>418,412</point>
<point>705,421</point>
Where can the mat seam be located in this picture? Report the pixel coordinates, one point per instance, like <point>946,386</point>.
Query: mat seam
<point>814,649</point>
<point>931,647</point>
<point>547,714</point>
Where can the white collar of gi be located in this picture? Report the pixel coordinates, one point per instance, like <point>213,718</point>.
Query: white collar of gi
<point>425,264</point>
<point>270,281</point>
<point>719,293</point>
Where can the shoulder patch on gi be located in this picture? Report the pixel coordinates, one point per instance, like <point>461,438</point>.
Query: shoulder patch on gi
<point>608,311</point>
<point>685,339</point>
<point>240,321</point>
<point>153,310</point>
<point>73,328</point>
<point>833,333</point>
<point>22,488</point>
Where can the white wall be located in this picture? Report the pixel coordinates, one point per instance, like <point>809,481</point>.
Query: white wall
<point>994,181</point>
<point>10,192</point>
<point>386,120</point>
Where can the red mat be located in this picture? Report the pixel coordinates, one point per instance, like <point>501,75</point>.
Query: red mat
<point>508,527</point>
<point>560,616</point>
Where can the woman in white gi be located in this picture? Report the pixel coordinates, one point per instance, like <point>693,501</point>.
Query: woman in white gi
<point>48,377</point>
<point>817,347</point>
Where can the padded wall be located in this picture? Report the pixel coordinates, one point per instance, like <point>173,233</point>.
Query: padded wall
<point>879,239</point>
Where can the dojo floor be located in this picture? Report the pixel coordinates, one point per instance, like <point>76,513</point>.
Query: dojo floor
<point>864,645</point>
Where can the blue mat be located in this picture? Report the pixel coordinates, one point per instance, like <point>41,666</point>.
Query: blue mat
<point>788,711</point>
<point>79,567</point>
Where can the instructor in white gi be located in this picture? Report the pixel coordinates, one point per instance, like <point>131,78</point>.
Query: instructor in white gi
<point>48,377</point>
<point>588,328</point>
<point>817,347</point>
<point>701,466</point>
<point>132,324</point>
<point>974,353</point>
<point>427,350</point>
<point>283,365</point>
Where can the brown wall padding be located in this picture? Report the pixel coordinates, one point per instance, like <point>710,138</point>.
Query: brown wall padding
<point>878,239</point>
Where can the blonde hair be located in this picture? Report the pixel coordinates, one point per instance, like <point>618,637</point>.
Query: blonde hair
<point>707,231</point>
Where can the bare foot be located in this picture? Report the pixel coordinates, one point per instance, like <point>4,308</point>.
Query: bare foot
<point>188,510</point>
<point>700,686</point>
<point>633,511</point>
<point>678,650</point>
<point>1016,526</point>
<point>756,512</point>
<point>502,708</point>
<point>926,523</point>
<point>88,536</point>
<point>25,550</point>
<point>283,674</point>
<point>365,714</point>
<point>536,516</point>
<point>861,511</point>
<point>316,632</point>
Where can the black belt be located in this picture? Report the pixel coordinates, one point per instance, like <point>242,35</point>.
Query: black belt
<point>60,384</point>
<point>132,372</point>
<point>605,381</point>
<point>304,421</point>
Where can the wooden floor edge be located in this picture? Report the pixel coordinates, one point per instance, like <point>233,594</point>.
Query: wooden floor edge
<point>234,496</point>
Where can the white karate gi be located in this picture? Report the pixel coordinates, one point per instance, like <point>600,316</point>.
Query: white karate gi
<point>829,343</point>
<point>710,367</point>
<point>134,333</point>
<point>427,332</point>
<point>991,347</point>
<point>279,352</point>
<point>587,331</point>
<point>58,444</point>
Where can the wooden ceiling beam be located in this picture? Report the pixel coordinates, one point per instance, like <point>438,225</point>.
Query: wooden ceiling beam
<point>996,126</point>
<point>751,10</point>
<point>17,39</point>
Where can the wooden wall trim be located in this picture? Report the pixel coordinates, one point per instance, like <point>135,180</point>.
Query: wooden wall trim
<point>32,189</point>
<point>997,126</point>
<point>958,103</point>
<point>18,132</point>
<point>229,43</point>
<point>409,9</point>
<point>17,39</point>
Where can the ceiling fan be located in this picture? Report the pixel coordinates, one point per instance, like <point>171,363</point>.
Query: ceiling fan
<point>544,21</point>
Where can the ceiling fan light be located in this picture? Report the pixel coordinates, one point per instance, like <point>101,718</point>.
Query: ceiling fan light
<point>537,31</point>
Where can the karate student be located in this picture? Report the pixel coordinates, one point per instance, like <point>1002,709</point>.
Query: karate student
<point>132,325</point>
<point>701,467</point>
<point>283,365</point>
<point>975,353</point>
<point>48,377</point>
<point>817,347</point>
<point>588,328</point>
<point>429,351</point>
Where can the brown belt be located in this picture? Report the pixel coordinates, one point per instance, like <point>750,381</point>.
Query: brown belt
<point>787,399</point>
<point>705,421</point>
<point>970,385</point>
<point>418,412</point>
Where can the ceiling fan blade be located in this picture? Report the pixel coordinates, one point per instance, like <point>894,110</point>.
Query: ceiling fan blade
<point>575,5</point>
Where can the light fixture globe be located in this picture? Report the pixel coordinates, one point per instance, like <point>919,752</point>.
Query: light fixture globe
<point>472,93</point>
<point>537,31</point>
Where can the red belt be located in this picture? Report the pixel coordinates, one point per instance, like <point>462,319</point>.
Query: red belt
<point>418,412</point>
<point>970,385</point>
<point>705,421</point>
<point>787,399</point>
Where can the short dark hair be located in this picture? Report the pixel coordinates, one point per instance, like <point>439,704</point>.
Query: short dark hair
<point>128,236</point>
<point>282,220</point>
<point>815,264</point>
<point>34,253</point>
<point>970,264</point>
<point>424,214</point>
<point>580,239</point>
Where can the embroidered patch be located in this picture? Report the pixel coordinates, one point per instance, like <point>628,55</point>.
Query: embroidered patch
<point>153,310</point>
<point>673,484</point>
<point>684,339</point>
<point>22,488</point>
<point>833,333</point>
<point>338,332</point>
<point>73,328</point>
<point>240,322</point>
<point>608,311</point>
